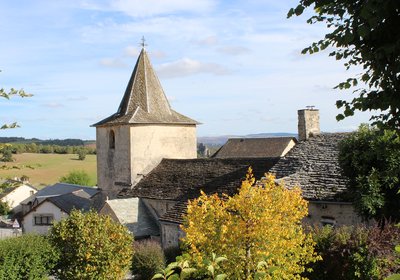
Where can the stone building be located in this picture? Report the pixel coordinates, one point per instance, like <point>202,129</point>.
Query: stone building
<point>147,156</point>
<point>144,130</point>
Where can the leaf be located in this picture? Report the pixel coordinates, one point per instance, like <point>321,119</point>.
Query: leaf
<point>299,10</point>
<point>221,277</point>
<point>393,277</point>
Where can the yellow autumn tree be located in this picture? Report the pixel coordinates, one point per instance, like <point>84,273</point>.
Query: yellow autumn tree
<point>257,229</point>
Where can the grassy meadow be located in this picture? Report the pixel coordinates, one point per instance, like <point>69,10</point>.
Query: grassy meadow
<point>46,169</point>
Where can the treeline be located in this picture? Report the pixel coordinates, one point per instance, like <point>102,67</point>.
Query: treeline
<point>57,142</point>
<point>17,148</point>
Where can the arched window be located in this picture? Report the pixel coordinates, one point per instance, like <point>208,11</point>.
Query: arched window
<point>111,139</point>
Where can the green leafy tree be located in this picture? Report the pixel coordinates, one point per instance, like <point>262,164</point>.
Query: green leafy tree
<point>93,247</point>
<point>370,158</point>
<point>29,256</point>
<point>6,153</point>
<point>260,223</point>
<point>77,177</point>
<point>363,33</point>
<point>7,95</point>
<point>4,208</point>
<point>82,154</point>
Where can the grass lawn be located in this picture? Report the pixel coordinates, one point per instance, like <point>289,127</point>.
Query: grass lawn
<point>46,169</point>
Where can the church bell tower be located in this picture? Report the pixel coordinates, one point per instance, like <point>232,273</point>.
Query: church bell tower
<point>144,130</point>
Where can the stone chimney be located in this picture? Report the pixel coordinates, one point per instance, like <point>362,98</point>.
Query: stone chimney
<point>308,123</point>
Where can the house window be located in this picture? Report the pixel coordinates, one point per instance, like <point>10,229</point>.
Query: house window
<point>112,139</point>
<point>43,220</point>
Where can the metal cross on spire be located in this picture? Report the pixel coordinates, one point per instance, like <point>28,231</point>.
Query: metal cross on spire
<point>143,43</point>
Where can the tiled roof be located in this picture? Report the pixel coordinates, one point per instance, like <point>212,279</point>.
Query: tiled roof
<point>313,165</point>
<point>180,179</point>
<point>254,147</point>
<point>144,100</point>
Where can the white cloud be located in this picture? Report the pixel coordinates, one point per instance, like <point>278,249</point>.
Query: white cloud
<point>112,62</point>
<point>207,41</point>
<point>53,105</point>
<point>187,67</point>
<point>234,50</point>
<point>144,8</point>
<point>131,51</point>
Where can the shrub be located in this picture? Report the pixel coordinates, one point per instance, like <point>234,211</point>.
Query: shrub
<point>77,177</point>
<point>92,246</point>
<point>26,257</point>
<point>355,252</point>
<point>247,233</point>
<point>148,259</point>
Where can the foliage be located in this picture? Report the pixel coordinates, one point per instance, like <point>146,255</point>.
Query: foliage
<point>363,33</point>
<point>4,208</point>
<point>8,94</point>
<point>92,247</point>
<point>260,223</point>
<point>370,158</point>
<point>176,270</point>
<point>148,258</point>
<point>28,257</point>
<point>6,153</point>
<point>77,177</point>
<point>355,252</point>
<point>82,154</point>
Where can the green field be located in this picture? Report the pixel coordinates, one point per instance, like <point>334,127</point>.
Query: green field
<point>46,169</point>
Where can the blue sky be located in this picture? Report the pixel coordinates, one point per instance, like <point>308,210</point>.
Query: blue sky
<point>234,66</point>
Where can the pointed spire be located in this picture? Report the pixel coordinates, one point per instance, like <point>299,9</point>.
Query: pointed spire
<point>144,100</point>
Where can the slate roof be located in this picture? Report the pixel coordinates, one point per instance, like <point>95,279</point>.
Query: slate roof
<point>79,200</point>
<point>313,165</point>
<point>254,147</point>
<point>144,100</point>
<point>64,188</point>
<point>127,212</point>
<point>182,179</point>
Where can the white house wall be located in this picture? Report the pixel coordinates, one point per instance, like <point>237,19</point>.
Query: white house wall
<point>46,208</point>
<point>18,195</point>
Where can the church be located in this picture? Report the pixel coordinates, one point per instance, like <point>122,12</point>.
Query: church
<point>148,168</point>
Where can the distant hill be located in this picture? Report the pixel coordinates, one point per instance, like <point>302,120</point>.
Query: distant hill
<point>58,142</point>
<point>220,140</point>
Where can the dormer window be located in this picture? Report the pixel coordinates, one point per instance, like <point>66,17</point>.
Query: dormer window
<point>112,139</point>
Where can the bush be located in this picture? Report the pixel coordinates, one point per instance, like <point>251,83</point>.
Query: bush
<point>26,257</point>
<point>148,259</point>
<point>92,246</point>
<point>77,177</point>
<point>82,154</point>
<point>355,252</point>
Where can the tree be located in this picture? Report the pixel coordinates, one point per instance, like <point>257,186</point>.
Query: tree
<point>27,257</point>
<point>363,33</point>
<point>77,177</point>
<point>6,153</point>
<point>92,247</point>
<point>262,223</point>
<point>82,153</point>
<point>370,158</point>
<point>8,94</point>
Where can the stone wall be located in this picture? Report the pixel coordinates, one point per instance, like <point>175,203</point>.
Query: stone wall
<point>113,164</point>
<point>138,149</point>
<point>338,214</point>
